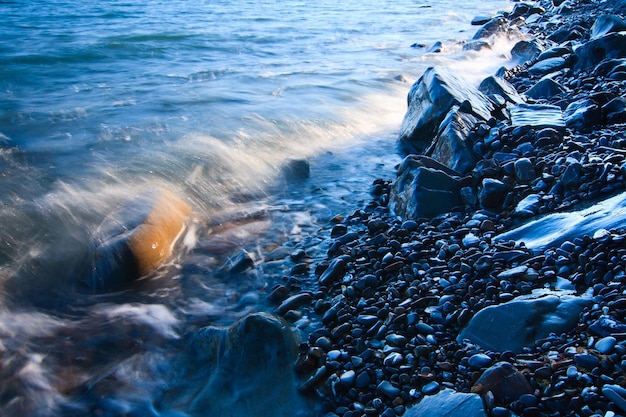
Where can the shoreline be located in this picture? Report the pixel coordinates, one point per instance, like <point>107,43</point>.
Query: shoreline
<point>393,301</point>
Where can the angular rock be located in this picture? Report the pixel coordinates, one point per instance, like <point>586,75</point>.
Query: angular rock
<point>492,193</point>
<point>590,54</point>
<point>556,228</point>
<point>424,188</point>
<point>615,111</point>
<point>537,116</point>
<point>248,367</point>
<point>435,48</point>
<point>582,115</point>
<point>547,66</point>
<point>493,27</point>
<point>480,20</point>
<point>450,404</point>
<point>545,88</point>
<point>429,101</point>
<point>452,146</point>
<point>498,85</point>
<point>554,52</point>
<point>239,263</point>
<point>525,51</point>
<point>518,323</point>
<point>607,24</point>
<point>528,206</point>
<point>476,45</point>
<point>136,239</point>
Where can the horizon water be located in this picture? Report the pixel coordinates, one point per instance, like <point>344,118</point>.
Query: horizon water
<point>101,100</point>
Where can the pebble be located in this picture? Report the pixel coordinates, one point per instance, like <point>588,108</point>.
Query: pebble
<point>586,360</point>
<point>430,388</point>
<point>387,389</point>
<point>606,345</point>
<point>479,360</point>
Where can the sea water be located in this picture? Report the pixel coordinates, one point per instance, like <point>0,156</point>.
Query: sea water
<point>101,100</point>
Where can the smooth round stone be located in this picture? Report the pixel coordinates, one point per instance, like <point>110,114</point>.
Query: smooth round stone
<point>479,360</point>
<point>396,340</point>
<point>423,328</point>
<point>470,240</point>
<point>334,355</point>
<point>529,400</point>
<point>348,378</point>
<point>606,345</point>
<point>430,388</point>
<point>572,372</point>
<point>586,360</point>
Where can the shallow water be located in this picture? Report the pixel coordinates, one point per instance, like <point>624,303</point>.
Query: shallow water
<point>99,101</point>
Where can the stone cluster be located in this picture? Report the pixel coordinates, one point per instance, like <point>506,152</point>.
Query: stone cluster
<point>424,305</point>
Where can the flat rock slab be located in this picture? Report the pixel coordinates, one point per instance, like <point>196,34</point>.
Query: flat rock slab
<point>448,403</point>
<point>518,323</point>
<point>538,116</point>
<point>556,228</point>
<point>610,46</point>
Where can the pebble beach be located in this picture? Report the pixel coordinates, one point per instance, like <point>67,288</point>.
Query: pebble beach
<point>511,301</point>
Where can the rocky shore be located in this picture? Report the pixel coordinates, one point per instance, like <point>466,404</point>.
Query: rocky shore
<point>488,277</point>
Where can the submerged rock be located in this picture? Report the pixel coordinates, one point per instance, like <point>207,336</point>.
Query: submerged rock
<point>247,370</point>
<point>424,188</point>
<point>514,325</point>
<point>136,239</point>
<point>430,100</point>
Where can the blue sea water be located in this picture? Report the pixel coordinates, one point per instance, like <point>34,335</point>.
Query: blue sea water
<point>100,100</point>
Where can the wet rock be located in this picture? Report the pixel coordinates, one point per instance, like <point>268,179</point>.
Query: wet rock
<point>492,193</point>
<point>452,146</point>
<point>294,302</point>
<point>227,362</point>
<point>525,51</point>
<point>582,115</point>
<point>239,263</point>
<point>491,28</point>
<point>450,404</point>
<point>606,325</point>
<point>555,52</point>
<point>296,169</point>
<point>429,102</point>
<point>136,239</point>
<point>505,382</point>
<point>524,170</point>
<point>479,360</point>
<point>335,272</point>
<point>518,323</point>
<point>556,228</point>
<point>499,86</point>
<point>528,206</point>
<point>607,24</point>
<point>538,116</point>
<point>545,88</point>
<point>615,111</point>
<point>424,188</point>
<point>590,54</point>
<point>476,45</point>
<point>606,345</point>
<point>435,48</point>
<point>480,20</point>
<point>617,394</point>
<point>547,66</point>
<point>387,389</point>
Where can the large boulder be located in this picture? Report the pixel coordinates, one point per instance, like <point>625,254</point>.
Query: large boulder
<point>246,370</point>
<point>514,325</point>
<point>424,188</point>
<point>607,24</point>
<point>136,239</point>
<point>430,100</point>
<point>452,146</point>
<point>611,46</point>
